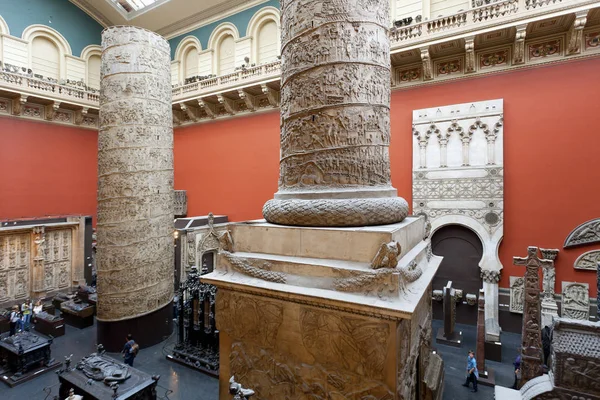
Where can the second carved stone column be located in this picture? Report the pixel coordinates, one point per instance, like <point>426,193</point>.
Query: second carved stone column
<point>335,116</point>
<point>135,189</point>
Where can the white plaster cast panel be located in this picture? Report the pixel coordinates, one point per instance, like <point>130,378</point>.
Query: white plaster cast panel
<point>135,175</point>
<point>575,300</point>
<point>458,176</point>
<point>517,294</point>
<point>588,261</point>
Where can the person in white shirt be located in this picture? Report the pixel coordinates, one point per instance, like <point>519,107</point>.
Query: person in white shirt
<point>15,318</point>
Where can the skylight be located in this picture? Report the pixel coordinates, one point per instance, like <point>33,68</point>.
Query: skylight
<point>133,8</point>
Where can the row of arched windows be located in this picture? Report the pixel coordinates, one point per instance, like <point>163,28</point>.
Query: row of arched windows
<point>48,53</point>
<point>226,50</point>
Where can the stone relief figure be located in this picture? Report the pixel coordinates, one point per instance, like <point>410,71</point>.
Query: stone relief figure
<point>387,256</point>
<point>238,392</point>
<point>548,281</point>
<point>21,284</point>
<point>517,294</point>
<point>3,285</point>
<point>226,241</point>
<point>587,261</point>
<point>586,233</point>
<point>39,240</point>
<point>575,300</point>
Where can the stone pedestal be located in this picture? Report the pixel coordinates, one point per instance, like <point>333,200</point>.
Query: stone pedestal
<point>327,312</point>
<point>135,254</point>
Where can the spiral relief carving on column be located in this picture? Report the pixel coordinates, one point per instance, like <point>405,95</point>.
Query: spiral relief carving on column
<point>135,175</point>
<point>335,116</point>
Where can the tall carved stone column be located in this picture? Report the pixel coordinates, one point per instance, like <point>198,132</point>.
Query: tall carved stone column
<point>135,189</point>
<point>335,123</point>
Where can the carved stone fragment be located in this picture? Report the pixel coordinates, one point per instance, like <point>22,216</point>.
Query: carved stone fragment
<point>387,256</point>
<point>588,261</point>
<point>517,294</point>
<point>575,300</point>
<point>135,175</point>
<point>531,349</point>
<point>586,233</point>
<point>335,97</point>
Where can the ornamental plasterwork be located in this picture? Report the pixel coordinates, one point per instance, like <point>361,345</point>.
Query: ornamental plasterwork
<point>586,233</point>
<point>588,261</point>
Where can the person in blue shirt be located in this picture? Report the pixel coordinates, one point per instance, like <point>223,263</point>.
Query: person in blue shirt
<point>472,373</point>
<point>130,350</point>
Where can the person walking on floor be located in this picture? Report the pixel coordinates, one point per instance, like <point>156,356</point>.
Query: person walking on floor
<point>517,365</point>
<point>472,373</point>
<point>130,350</point>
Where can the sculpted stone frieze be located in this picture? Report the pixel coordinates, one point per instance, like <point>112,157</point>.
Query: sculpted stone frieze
<point>135,175</point>
<point>575,300</point>
<point>248,318</point>
<point>335,97</point>
<point>355,344</point>
<point>588,261</point>
<point>275,376</point>
<point>586,233</point>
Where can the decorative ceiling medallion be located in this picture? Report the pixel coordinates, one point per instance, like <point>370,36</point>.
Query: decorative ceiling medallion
<point>588,261</point>
<point>586,233</point>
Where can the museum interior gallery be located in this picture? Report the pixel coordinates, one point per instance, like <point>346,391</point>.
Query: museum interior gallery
<point>299,199</point>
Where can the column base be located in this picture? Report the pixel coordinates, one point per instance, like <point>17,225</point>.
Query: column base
<point>336,212</point>
<point>147,330</point>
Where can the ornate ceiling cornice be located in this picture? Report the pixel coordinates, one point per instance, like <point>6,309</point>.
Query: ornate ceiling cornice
<point>206,17</point>
<point>92,12</point>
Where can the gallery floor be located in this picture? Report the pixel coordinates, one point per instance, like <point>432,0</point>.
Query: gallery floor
<point>181,383</point>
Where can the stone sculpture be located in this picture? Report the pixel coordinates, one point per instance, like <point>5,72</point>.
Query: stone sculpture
<point>575,364</point>
<point>481,333</point>
<point>387,256</point>
<point>586,233</point>
<point>135,184</point>
<point>588,260</point>
<point>531,350</point>
<point>549,306</point>
<point>575,300</point>
<point>517,294</point>
<point>448,335</point>
<point>238,392</point>
<point>335,122</point>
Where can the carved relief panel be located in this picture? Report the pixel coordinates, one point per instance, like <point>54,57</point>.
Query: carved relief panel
<point>288,350</point>
<point>517,294</point>
<point>14,266</point>
<point>57,262</point>
<point>458,170</point>
<point>575,300</point>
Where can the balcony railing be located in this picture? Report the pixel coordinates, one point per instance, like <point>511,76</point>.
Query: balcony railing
<point>55,91</point>
<point>242,77</point>
<point>477,18</point>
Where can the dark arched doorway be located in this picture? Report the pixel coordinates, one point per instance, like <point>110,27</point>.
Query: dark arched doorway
<point>462,250</point>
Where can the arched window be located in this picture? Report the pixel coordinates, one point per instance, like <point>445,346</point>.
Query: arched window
<point>226,54</point>
<point>45,57</point>
<point>190,63</point>
<point>47,51</point>
<point>222,43</point>
<point>92,55</point>
<point>268,46</point>
<point>186,55</point>
<point>93,74</point>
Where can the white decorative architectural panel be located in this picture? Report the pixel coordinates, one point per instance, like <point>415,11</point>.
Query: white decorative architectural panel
<point>268,48</point>
<point>458,176</point>
<point>205,62</point>
<point>243,49</point>
<point>226,59</point>
<point>15,51</point>
<point>517,294</point>
<point>45,57</point>
<point>14,266</point>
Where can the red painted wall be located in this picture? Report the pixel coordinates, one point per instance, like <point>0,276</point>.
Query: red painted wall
<point>46,169</point>
<point>231,166</point>
<point>550,151</point>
